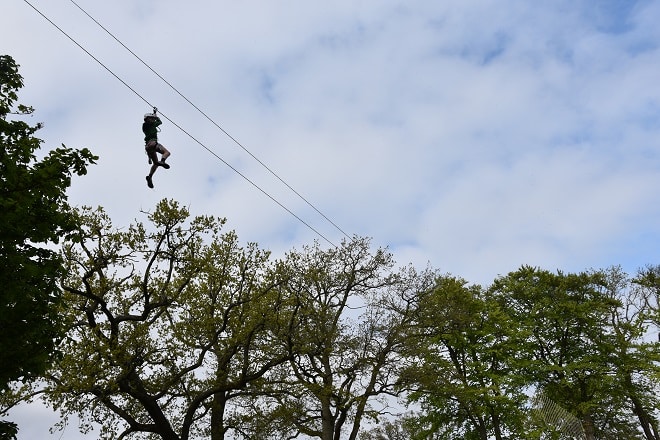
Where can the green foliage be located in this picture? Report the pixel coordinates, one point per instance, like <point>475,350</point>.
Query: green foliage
<point>176,331</point>
<point>167,324</point>
<point>585,342</point>
<point>8,430</point>
<point>580,338</point>
<point>399,429</point>
<point>464,381</point>
<point>33,214</point>
<point>346,342</point>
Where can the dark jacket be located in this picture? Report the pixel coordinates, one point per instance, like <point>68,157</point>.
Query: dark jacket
<point>150,129</point>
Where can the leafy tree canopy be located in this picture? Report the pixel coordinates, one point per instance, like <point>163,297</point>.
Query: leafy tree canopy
<point>33,214</point>
<point>578,339</point>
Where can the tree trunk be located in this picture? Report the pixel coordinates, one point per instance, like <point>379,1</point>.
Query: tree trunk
<point>132,385</point>
<point>327,421</point>
<point>645,419</point>
<point>481,428</point>
<point>218,428</point>
<point>589,428</point>
<point>496,424</point>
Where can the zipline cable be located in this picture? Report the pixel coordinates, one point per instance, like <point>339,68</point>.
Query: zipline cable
<point>210,119</point>
<point>177,125</point>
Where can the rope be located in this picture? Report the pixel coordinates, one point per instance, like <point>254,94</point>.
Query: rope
<point>178,126</point>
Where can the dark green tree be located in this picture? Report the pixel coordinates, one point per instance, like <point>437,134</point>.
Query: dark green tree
<point>582,340</point>
<point>465,381</point>
<point>585,346</point>
<point>33,215</point>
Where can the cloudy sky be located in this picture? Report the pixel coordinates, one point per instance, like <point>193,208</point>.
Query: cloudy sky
<point>473,135</point>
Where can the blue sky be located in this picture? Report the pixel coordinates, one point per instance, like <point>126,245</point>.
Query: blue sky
<point>476,136</point>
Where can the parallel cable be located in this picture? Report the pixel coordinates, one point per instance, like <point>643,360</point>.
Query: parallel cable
<point>210,119</point>
<point>177,125</point>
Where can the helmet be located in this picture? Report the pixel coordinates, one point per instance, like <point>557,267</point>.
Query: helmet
<point>149,115</point>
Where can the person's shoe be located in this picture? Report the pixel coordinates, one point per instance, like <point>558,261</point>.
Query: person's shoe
<point>164,165</point>
<point>150,184</point>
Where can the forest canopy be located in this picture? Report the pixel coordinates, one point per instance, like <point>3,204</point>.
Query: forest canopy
<point>177,330</point>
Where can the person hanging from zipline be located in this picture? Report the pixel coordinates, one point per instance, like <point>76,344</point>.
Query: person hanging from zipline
<point>150,130</point>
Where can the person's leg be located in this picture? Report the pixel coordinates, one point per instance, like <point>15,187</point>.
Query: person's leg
<point>154,167</point>
<point>165,153</point>
<point>153,160</point>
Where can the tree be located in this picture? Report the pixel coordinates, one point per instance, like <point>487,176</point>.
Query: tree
<point>585,346</point>
<point>636,356</point>
<point>580,339</point>
<point>34,213</point>
<point>346,342</point>
<point>165,325</point>
<point>648,292</point>
<point>464,380</point>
